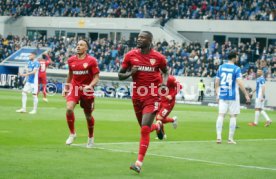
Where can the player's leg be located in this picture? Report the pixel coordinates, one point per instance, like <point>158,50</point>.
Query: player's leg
<point>147,121</point>
<point>257,113</point>
<point>26,89</point>
<point>256,120</point>
<point>166,113</point>
<point>150,108</point>
<point>268,120</point>
<point>35,99</point>
<point>44,88</point>
<point>70,117</point>
<point>223,107</point>
<point>234,110</point>
<point>138,109</point>
<point>88,106</point>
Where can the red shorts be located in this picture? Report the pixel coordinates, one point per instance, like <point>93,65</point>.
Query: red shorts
<point>144,106</point>
<point>166,108</point>
<point>86,100</point>
<point>42,80</point>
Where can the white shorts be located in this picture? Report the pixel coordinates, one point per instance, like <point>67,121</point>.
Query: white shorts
<point>259,104</point>
<point>30,88</point>
<point>229,105</point>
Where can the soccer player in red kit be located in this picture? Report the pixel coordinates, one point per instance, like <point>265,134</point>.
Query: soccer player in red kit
<point>42,76</point>
<point>168,102</point>
<point>83,76</point>
<point>144,64</point>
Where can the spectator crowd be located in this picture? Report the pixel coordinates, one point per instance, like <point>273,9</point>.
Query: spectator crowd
<point>260,10</point>
<point>193,59</point>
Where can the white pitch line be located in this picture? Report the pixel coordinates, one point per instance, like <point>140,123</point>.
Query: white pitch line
<point>177,142</point>
<point>181,158</point>
<point>184,158</point>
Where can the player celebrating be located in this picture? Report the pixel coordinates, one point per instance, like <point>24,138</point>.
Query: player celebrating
<point>31,84</point>
<point>83,76</point>
<point>42,77</point>
<point>145,64</point>
<point>228,79</point>
<point>259,101</point>
<point>168,102</point>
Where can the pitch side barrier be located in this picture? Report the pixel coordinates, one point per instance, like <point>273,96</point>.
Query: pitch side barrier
<point>189,93</point>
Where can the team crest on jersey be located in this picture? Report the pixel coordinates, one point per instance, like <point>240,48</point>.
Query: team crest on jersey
<point>85,65</point>
<point>152,61</point>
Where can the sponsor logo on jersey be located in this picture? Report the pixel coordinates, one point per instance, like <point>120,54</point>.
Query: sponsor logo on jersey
<point>145,68</point>
<point>227,69</point>
<point>85,65</point>
<point>152,61</point>
<point>82,72</point>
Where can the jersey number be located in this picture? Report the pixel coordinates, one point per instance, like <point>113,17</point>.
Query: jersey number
<point>226,78</point>
<point>42,67</point>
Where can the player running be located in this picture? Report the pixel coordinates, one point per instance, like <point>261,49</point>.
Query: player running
<point>145,65</point>
<point>168,102</point>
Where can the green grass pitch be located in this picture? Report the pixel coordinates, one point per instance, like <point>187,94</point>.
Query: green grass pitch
<point>33,146</point>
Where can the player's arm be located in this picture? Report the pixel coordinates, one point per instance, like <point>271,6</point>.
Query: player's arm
<point>95,80</point>
<point>165,75</point>
<point>29,73</point>
<point>67,85</point>
<point>125,74</point>
<point>263,93</point>
<point>217,82</point>
<point>253,91</point>
<point>177,87</point>
<point>240,83</point>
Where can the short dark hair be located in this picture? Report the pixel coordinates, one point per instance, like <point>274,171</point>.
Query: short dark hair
<point>232,55</point>
<point>87,43</point>
<point>149,34</point>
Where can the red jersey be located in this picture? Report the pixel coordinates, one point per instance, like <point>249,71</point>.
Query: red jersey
<point>83,70</point>
<point>43,66</point>
<point>173,86</point>
<point>148,73</point>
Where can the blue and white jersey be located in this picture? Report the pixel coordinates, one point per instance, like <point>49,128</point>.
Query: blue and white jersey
<point>228,87</point>
<point>33,78</point>
<point>259,84</point>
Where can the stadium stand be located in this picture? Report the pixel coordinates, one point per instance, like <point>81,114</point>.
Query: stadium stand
<point>191,59</point>
<point>261,10</point>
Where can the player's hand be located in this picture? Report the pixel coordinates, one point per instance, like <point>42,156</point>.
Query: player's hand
<point>22,74</point>
<point>64,92</point>
<point>133,70</point>
<point>87,88</point>
<point>217,98</point>
<point>262,99</point>
<point>247,99</point>
<point>169,97</point>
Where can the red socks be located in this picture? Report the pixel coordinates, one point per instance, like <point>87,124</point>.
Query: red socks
<point>167,120</point>
<point>70,121</point>
<point>44,91</point>
<point>144,142</point>
<point>90,125</point>
<point>154,127</point>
